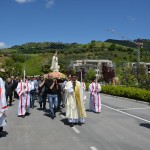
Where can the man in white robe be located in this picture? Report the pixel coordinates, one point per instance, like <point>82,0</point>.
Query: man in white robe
<point>75,109</point>
<point>23,90</point>
<point>3,106</point>
<point>95,99</point>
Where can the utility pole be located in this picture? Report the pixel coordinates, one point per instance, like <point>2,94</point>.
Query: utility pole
<point>139,46</point>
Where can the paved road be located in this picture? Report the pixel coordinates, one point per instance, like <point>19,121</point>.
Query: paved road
<point>122,125</point>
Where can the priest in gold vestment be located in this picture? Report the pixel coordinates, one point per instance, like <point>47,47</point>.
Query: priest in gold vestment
<point>75,109</point>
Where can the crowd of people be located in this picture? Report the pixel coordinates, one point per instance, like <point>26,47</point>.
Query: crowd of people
<point>68,94</point>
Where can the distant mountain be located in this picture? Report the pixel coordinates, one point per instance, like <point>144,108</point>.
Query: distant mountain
<point>146,43</point>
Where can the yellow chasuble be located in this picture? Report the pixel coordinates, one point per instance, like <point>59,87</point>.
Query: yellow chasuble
<point>75,108</point>
<point>79,99</point>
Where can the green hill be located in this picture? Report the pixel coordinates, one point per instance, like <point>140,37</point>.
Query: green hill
<point>146,43</point>
<point>36,57</point>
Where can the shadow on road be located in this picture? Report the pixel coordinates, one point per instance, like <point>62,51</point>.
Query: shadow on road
<point>146,125</point>
<point>63,113</point>
<point>40,109</point>
<point>3,134</point>
<point>87,110</point>
<point>47,115</point>
<point>65,121</point>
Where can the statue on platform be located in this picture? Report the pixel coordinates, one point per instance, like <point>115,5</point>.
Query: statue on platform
<point>54,66</point>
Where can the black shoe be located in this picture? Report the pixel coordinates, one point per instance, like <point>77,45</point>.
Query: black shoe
<point>1,134</point>
<point>97,112</point>
<point>19,116</point>
<point>23,116</point>
<point>27,114</point>
<point>80,124</point>
<point>71,124</point>
<point>52,116</point>
<point>1,129</point>
<point>40,108</point>
<point>63,106</point>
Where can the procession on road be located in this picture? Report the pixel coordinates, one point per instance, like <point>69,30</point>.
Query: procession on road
<point>62,92</point>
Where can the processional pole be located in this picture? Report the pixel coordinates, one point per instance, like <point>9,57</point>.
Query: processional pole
<point>24,74</point>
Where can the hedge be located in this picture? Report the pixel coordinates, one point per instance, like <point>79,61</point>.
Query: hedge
<point>128,92</point>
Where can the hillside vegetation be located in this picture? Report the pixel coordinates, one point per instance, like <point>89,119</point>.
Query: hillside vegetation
<point>146,43</point>
<point>36,57</point>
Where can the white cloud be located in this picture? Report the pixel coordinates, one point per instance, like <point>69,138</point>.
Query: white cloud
<point>2,45</point>
<point>131,18</point>
<point>49,3</point>
<point>24,1</point>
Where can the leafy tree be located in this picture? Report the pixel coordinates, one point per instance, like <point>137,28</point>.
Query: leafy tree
<point>107,73</point>
<point>143,78</point>
<point>9,62</point>
<point>92,44</point>
<point>13,68</point>
<point>18,58</point>
<point>45,68</point>
<point>103,47</point>
<point>126,76</point>
<point>90,75</point>
<point>112,47</point>
<point>9,65</point>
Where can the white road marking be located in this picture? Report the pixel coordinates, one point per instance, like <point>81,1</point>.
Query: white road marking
<point>93,148</point>
<point>75,129</point>
<point>127,113</point>
<point>134,108</point>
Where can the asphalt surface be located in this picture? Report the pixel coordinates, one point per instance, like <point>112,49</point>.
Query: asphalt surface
<point>123,124</point>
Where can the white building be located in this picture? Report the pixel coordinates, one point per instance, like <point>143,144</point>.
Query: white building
<point>146,65</point>
<point>88,64</point>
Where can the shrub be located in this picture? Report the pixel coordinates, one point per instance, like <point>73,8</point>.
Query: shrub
<point>128,92</point>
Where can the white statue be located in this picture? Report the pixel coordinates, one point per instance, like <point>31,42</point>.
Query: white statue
<point>54,66</point>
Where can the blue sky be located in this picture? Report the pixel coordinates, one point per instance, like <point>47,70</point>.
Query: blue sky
<point>71,21</point>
